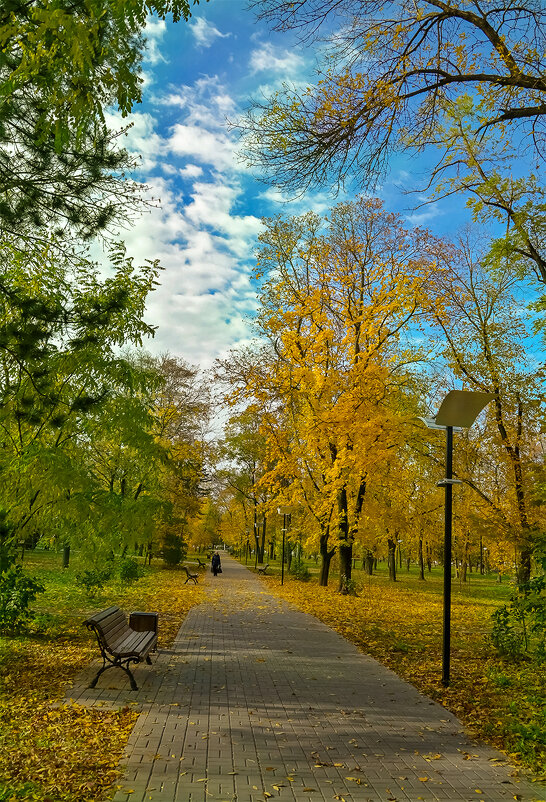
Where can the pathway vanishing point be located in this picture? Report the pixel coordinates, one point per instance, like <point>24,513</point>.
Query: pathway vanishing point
<point>256,700</point>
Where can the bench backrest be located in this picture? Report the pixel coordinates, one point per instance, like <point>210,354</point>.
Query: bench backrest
<point>110,627</point>
<point>187,571</point>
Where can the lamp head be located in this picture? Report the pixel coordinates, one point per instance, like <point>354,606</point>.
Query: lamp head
<point>461,408</point>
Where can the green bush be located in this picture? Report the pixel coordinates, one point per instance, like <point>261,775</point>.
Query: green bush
<point>129,570</point>
<point>301,572</point>
<point>349,587</point>
<point>174,550</point>
<point>17,592</point>
<point>519,627</point>
<point>92,580</point>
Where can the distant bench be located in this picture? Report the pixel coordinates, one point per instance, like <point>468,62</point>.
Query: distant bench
<point>263,568</point>
<point>189,576</point>
<point>119,644</point>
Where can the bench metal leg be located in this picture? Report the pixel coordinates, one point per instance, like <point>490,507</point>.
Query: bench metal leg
<point>118,664</point>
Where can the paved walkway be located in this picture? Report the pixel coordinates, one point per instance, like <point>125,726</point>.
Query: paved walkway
<point>257,700</point>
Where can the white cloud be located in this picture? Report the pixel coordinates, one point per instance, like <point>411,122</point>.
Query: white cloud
<point>205,299</point>
<point>154,31</point>
<point>202,239</point>
<point>191,171</point>
<point>209,147</point>
<point>270,59</point>
<point>319,202</point>
<point>205,102</point>
<point>419,218</point>
<point>204,32</point>
<point>140,137</point>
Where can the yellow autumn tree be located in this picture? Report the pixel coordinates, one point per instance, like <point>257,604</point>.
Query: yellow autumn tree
<point>338,295</point>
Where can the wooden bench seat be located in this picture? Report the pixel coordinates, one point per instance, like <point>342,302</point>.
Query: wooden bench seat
<point>119,644</point>
<point>263,568</point>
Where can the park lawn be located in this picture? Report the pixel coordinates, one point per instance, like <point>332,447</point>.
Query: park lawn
<point>50,750</point>
<point>400,624</point>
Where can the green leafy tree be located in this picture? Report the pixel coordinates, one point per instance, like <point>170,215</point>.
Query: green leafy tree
<point>60,375</point>
<point>62,63</point>
<point>483,342</point>
<point>399,65</point>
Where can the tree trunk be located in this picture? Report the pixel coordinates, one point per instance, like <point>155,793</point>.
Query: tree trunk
<point>345,544</point>
<point>66,555</point>
<point>369,562</point>
<point>513,450</point>
<point>326,557</point>
<point>464,565</point>
<point>392,558</point>
<point>421,560</point>
<point>262,544</point>
<point>345,565</point>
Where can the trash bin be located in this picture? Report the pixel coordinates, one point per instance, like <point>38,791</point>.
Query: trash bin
<point>143,622</point>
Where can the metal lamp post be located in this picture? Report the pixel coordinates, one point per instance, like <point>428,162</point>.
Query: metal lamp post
<point>458,411</point>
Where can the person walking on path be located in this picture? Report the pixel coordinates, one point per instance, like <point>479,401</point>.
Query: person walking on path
<point>216,565</point>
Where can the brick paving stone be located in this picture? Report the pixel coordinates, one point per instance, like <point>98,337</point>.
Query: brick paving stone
<point>256,698</point>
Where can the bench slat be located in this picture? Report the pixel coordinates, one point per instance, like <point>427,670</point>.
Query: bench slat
<point>112,628</point>
<point>98,617</point>
<point>137,646</point>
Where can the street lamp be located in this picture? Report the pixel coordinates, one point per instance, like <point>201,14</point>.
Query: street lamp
<point>458,411</point>
<point>285,511</point>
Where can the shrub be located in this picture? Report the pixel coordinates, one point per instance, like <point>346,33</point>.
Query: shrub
<point>92,580</point>
<point>349,587</point>
<point>302,572</point>
<point>17,591</point>
<point>519,627</point>
<point>129,570</point>
<point>174,550</point>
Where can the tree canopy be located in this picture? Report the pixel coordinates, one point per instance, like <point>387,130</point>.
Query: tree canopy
<point>397,67</point>
<point>464,80</point>
<point>62,64</point>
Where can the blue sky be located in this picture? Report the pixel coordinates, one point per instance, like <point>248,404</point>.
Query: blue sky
<point>198,75</point>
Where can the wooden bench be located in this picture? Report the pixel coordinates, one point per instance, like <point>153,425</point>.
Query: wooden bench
<point>119,644</point>
<point>191,576</point>
<point>200,563</point>
<point>263,568</point>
